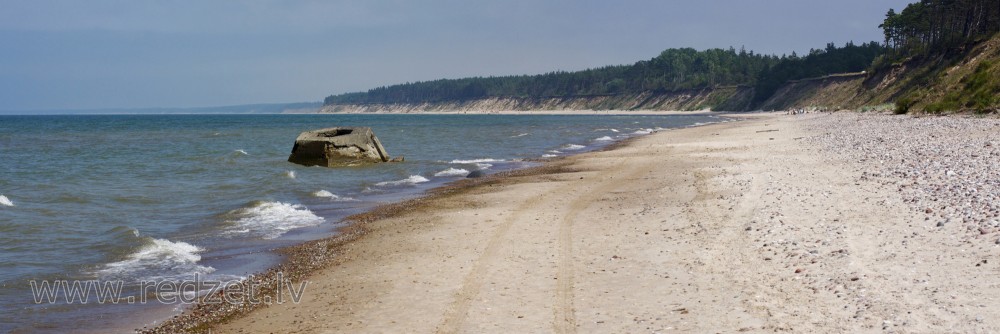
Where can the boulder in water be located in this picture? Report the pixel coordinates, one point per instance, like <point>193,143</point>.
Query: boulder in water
<point>340,146</point>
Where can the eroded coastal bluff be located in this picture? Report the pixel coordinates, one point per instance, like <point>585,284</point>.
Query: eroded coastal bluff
<point>826,222</point>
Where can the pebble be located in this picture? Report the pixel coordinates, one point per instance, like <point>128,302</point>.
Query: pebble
<point>933,162</point>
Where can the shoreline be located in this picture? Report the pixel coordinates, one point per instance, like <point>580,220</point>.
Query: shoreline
<point>304,259</point>
<point>774,223</point>
<point>544,112</point>
<point>307,258</point>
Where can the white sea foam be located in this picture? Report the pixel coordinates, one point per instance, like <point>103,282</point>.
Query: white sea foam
<point>323,194</point>
<point>158,259</point>
<point>290,174</point>
<point>614,130</point>
<point>452,172</point>
<point>605,138</point>
<point>480,163</point>
<point>476,161</point>
<point>643,132</point>
<point>332,196</point>
<point>241,152</point>
<point>549,155</point>
<point>520,135</point>
<point>412,180</point>
<point>555,151</point>
<point>4,201</point>
<point>573,147</point>
<point>270,220</point>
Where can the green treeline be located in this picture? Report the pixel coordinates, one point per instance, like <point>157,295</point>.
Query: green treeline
<point>672,70</point>
<point>850,58</point>
<point>935,33</point>
<point>932,26</point>
<point>923,28</point>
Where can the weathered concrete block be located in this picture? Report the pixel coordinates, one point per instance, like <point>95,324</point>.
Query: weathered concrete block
<point>340,146</point>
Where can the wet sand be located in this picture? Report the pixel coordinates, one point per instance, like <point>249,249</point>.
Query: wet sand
<point>752,226</point>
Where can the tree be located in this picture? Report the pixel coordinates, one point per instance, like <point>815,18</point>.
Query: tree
<point>931,26</point>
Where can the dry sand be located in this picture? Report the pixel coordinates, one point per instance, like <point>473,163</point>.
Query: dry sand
<point>744,226</point>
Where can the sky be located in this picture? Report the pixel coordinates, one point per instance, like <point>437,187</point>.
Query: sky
<point>69,54</point>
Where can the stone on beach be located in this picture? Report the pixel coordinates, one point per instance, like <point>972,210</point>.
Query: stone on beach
<point>942,166</point>
<point>339,146</point>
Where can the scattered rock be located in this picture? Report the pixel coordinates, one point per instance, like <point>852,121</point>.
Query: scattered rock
<point>941,166</point>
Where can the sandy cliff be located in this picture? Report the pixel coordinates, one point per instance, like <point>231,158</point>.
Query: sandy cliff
<point>963,79</point>
<point>720,98</point>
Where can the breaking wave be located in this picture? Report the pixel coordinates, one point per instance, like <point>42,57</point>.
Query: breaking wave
<point>452,172</point>
<point>332,196</point>
<point>476,161</point>
<point>270,220</point>
<point>157,259</point>
<point>480,163</point>
<point>4,201</point>
<point>412,180</point>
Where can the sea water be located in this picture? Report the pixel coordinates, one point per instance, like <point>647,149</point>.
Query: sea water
<point>152,198</point>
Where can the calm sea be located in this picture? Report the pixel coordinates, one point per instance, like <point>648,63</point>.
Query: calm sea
<point>158,198</point>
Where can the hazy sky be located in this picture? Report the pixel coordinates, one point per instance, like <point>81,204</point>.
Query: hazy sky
<point>105,54</point>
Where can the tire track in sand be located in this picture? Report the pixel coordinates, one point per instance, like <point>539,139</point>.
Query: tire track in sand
<point>564,313</point>
<point>455,315</point>
<point>564,318</point>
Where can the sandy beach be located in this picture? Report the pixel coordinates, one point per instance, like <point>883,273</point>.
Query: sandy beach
<point>774,223</point>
